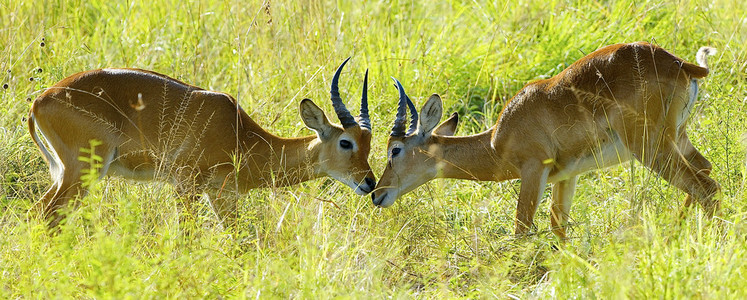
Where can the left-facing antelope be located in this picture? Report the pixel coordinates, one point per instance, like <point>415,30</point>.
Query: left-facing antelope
<point>619,103</point>
<point>153,127</point>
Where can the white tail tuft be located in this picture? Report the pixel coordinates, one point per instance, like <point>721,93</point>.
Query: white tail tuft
<point>702,56</point>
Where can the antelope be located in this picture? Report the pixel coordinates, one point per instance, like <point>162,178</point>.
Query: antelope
<point>621,102</point>
<point>153,127</point>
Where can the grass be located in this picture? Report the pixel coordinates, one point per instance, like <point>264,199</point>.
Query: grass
<point>318,239</point>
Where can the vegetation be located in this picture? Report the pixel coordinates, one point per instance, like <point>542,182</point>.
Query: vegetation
<point>320,240</point>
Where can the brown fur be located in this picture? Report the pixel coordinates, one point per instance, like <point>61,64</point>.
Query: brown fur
<point>620,102</point>
<point>155,127</point>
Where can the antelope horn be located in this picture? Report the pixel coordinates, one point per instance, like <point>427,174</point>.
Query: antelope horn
<point>413,116</point>
<point>346,119</point>
<point>365,120</point>
<point>398,130</point>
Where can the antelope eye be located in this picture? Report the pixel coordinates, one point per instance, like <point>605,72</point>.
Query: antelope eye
<point>345,144</point>
<point>396,151</point>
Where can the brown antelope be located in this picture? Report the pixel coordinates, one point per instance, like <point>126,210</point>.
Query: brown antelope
<point>155,127</point>
<point>620,102</point>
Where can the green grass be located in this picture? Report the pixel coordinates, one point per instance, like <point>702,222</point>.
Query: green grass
<point>318,239</point>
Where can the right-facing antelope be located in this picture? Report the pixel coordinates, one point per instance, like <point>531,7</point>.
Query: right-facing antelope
<point>620,102</point>
<point>154,127</point>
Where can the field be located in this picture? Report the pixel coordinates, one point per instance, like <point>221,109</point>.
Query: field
<point>446,239</point>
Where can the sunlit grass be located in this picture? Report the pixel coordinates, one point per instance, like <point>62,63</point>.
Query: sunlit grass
<point>318,239</point>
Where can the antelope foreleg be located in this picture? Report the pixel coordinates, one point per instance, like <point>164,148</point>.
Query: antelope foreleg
<point>533,182</point>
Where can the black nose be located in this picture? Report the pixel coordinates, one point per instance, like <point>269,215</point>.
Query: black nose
<point>370,182</point>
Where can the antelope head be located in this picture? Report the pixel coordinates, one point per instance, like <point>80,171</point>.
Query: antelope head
<point>343,149</point>
<point>413,156</point>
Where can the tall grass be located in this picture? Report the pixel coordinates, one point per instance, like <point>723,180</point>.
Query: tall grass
<point>318,239</point>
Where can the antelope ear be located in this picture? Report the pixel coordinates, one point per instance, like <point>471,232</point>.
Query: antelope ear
<point>430,114</point>
<point>448,127</point>
<point>314,118</point>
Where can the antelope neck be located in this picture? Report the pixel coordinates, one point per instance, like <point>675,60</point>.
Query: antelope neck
<point>471,157</point>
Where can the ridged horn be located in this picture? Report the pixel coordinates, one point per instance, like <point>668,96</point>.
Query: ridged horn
<point>413,116</point>
<point>346,119</point>
<point>398,130</point>
<point>365,119</point>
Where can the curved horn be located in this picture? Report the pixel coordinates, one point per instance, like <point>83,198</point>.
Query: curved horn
<point>413,116</point>
<point>398,129</point>
<point>365,120</point>
<point>346,119</point>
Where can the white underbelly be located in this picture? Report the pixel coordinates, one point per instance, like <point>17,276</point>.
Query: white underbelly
<point>609,154</point>
<point>141,174</point>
